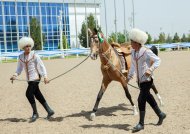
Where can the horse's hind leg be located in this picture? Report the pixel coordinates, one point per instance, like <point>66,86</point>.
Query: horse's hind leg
<point>157,94</point>
<point>99,97</point>
<point>128,95</point>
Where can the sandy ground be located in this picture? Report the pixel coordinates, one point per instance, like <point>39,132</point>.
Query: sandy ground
<point>73,96</point>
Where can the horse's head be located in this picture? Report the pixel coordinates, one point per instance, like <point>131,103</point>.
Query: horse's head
<point>94,44</point>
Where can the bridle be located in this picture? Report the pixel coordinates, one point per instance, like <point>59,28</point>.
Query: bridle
<point>95,39</point>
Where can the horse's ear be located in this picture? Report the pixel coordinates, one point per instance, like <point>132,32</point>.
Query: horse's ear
<point>95,30</point>
<point>90,32</point>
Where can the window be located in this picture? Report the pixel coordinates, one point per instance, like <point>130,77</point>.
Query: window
<point>1,19</point>
<point>12,10</point>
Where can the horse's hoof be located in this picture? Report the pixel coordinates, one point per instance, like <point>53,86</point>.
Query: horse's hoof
<point>92,116</point>
<point>135,111</point>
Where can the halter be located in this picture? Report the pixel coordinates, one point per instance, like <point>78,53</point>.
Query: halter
<point>101,41</point>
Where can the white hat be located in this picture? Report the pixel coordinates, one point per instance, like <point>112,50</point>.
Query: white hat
<point>138,36</point>
<point>24,41</point>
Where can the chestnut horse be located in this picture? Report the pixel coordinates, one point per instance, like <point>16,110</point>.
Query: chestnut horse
<point>110,67</point>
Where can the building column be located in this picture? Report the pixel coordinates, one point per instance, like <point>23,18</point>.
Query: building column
<point>4,28</point>
<point>28,20</point>
<point>86,26</point>
<point>41,24</point>
<point>17,29</point>
<point>106,18</point>
<point>77,45</point>
<point>65,27</point>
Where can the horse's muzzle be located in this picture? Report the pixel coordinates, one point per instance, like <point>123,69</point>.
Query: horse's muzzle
<point>93,56</point>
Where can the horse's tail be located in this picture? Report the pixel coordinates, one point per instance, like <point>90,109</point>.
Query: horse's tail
<point>154,50</point>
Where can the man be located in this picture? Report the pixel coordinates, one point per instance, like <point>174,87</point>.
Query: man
<point>140,64</point>
<point>35,69</point>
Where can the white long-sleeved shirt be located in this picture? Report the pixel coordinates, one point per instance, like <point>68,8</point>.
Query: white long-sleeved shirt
<point>140,63</point>
<point>33,66</point>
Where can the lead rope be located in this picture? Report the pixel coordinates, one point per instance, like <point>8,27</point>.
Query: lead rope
<point>60,74</point>
<point>119,71</point>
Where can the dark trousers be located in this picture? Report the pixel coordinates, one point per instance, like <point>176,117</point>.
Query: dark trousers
<point>33,90</point>
<point>146,96</point>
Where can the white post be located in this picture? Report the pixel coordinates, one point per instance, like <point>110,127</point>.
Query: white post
<point>76,26</point>
<point>86,27</point>
<point>41,25</point>
<point>61,32</point>
<point>133,14</point>
<point>106,18</point>
<point>158,47</point>
<point>65,24</point>
<point>95,14</point>
<point>115,21</point>
<point>125,30</point>
<point>178,48</point>
<point>17,28</point>
<point>4,28</point>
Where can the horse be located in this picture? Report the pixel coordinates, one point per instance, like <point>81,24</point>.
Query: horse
<point>155,51</point>
<point>110,68</point>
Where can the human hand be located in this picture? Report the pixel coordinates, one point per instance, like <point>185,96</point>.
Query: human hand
<point>148,73</point>
<point>46,80</point>
<point>13,78</point>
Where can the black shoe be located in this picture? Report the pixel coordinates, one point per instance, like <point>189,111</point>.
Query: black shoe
<point>138,127</point>
<point>50,113</point>
<point>34,117</point>
<point>48,109</point>
<point>162,116</point>
<point>35,113</point>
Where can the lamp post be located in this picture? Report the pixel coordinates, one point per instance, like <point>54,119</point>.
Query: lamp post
<point>106,18</point>
<point>115,21</point>
<point>124,21</point>
<point>60,29</point>
<point>133,14</point>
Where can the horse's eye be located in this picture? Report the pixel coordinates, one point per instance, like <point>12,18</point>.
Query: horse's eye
<point>96,40</point>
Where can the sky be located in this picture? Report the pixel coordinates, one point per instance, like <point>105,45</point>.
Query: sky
<point>152,16</point>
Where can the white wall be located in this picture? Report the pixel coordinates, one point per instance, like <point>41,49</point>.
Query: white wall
<point>80,13</point>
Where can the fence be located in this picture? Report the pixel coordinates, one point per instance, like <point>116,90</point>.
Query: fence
<point>83,51</point>
<point>46,54</point>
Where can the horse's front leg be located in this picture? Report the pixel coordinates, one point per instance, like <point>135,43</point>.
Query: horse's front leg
<point>128,95</point>
<point>103,88</point>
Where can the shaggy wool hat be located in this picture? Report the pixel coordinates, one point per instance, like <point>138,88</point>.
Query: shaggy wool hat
<point>24,41</point>
<point>138,36</point>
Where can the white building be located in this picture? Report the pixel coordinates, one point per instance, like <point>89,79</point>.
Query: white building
<point>15,16</point>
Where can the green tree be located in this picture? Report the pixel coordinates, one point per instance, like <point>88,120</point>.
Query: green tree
<point>156,41</point>
<point>120,36</point>
<point>169,39</point>
<point>162,38</point>
<point>176,38</point>
<point>35,33</point>
<point>91,23</point>
<point>149,40</point>
<point>65,46</point>
<point>184,38</point>
<point>188,38</point>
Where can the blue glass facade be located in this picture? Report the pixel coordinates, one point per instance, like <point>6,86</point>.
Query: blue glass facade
<point>15,19</point>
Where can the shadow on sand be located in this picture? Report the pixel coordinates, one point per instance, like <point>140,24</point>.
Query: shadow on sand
<point>52,119</point>
<point>115,126</point>
<point>14,120</point>
<point>104,111</point>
